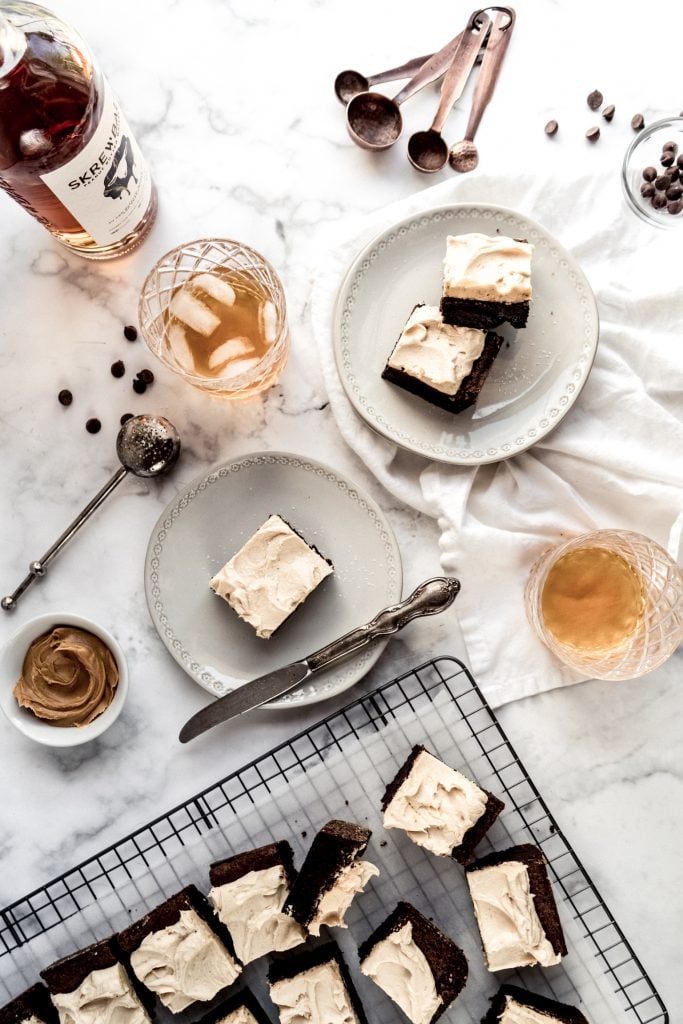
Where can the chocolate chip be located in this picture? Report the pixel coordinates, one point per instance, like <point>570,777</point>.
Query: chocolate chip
<point>671,146</point>
<point>679,161</point>
<point>674,173</point>
<point>676,206</point>
<point>551,128</point>
<point>593,134</point>
<point>93,426</point>
<point>594,99</point>
<point>663,182</point>
<point>65,397</point>
<point>130,333</point>
<point>637,122</point>
<point>126,416</point>
<point>146,375</point>
<point>659,200</point>
<point>650,173</point>
<point>667,158</point>
<point>139,386</point>
<point>117,368</point>
<point>675,192</point>
<point>608,112</point>
<point>647,190</point>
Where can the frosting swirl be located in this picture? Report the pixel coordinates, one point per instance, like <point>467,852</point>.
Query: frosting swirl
<point>69,677</point>
<point>318,994</point>
<point>104,997</point>
<point>251,909</point>
<point>400,968</point>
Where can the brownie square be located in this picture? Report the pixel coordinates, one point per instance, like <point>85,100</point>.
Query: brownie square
<point>241,1008</point>
<point>66,976</point>
<point>511,996</point>
<point>323,966</point>
<point>34,1002</point>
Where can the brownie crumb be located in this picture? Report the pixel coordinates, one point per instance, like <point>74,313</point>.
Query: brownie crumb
<point>551,128</point>
<point>65,397</point>
<point>130,333</point>
<point>383,843</point>
<point>93,425</point>
<point>117,368</point>
<point>594,99</point>
<point>126,416</point>
<point>304,834</point>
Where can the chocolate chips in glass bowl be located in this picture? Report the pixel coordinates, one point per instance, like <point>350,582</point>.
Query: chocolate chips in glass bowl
<point>661,187</point>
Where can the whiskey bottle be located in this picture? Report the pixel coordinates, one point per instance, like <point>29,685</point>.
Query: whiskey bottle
<point>67,154</point>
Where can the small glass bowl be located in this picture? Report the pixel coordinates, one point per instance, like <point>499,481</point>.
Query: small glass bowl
<point>645,151</point>
<point>176,268</point>
<point>659,630</point>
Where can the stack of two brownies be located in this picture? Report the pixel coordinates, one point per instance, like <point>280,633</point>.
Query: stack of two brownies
<point>445,353</point>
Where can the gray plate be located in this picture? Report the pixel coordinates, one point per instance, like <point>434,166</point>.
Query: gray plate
<point>212,518</point>
<point>535,379</point>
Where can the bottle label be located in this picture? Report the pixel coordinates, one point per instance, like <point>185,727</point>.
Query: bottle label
<point>108,186</point>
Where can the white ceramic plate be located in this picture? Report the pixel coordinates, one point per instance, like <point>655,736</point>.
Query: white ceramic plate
<point>211,519</point>
<point>537,375</point>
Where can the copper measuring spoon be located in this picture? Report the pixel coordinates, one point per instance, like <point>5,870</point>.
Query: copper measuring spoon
<point>374,121</point>
<point>463,155</point>
<point>349,83</point>
<point>427,150</point>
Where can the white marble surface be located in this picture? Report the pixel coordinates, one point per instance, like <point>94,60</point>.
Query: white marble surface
<point>233,104</point>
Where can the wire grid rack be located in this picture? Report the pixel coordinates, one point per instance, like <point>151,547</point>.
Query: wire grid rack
<point>338,768</point>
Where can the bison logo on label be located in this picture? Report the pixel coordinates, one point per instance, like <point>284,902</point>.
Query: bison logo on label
<point>121,172</point>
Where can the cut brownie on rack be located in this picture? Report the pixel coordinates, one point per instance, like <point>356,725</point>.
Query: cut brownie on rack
<point>94,984</point>
<point>270,576</point>
<point>315,986</point>
<point>31,1007</point>
<point>486,281</point>
<point>512,1005</point>
<point>242,1008</point>
<point>417,966</point>
<point>446,365</point>
<point>248,894</point>
<point>331,875</point>
<point>180,952</point>
<point>438,807</point>
<point>515,909</point>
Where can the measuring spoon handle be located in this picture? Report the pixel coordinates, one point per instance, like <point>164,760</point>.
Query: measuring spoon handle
<point>410,68</point>
<point>464,57</point>
<point>430,70</point>
<point>497,44</point>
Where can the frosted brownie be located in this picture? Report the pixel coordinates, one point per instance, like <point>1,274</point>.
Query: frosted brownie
<point>513,1005</point>
<point>515,909</point>
<point>31,1007</point>
<point>315,986</point>
<point>270,576</point>
<point>438,807</point>
<point>248,894</point>
<point>331,876</point>
<point>446,365</point>
<point>180,952</point>
<point>242,1008</point>
<point>417,966</point>
<point>93,984</point>
<point>486,281</point>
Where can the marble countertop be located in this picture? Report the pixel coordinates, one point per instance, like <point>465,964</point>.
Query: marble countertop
<point>232,102</point>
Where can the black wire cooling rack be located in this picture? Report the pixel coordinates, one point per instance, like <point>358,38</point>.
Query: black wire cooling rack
<point>236,795</point>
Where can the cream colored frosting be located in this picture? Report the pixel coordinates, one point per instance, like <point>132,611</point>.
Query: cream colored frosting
<point>489,268</point>
<point>518,1013</point>
<point>32,1020</point>
<point>315,996</point>
<point>336,900</point>
<point>399,967</point>
<point>184,963</point>
<point>435,805</point>
<point>511,932</point>
<point>251,909</point>
<point>436,353</point>
<point>239,1016</point>
<point>270,576</point>
<point>105,996</point>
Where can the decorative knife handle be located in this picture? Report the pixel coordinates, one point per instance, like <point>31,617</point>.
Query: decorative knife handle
<point>430,598</point>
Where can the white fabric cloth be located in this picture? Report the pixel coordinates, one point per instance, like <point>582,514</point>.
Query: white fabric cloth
<point>616,460</point>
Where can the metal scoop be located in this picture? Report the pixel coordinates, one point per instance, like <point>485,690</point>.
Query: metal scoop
<point>427,150</point>
<point>349,83</point>
<point>146,446</point>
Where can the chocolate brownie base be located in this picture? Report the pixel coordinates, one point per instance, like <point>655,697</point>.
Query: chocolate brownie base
<point>467,393</point>
<point>402,774</point>
<point>539,884</point>
<point>290,966</point>
<point>67,974</point>
<point>334,848</point>
<point>484,315</point>
<point>244,998</point>
<point>447,961</point>
<point>222,872</point>
<point>34,1002</point>
<point>555,1011</point>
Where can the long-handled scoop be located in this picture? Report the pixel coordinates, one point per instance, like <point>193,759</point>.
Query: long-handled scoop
<point>349,83</point>
<point>374,121</point>
<point>427,150</point>
<point>463,155</point>
<point>146,446</point>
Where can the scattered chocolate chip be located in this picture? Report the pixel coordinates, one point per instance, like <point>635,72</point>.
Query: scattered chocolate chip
<point>65,397</point>
<point>593,134</point>
<point>130,333</point>
<point>93,426</point>
<point>671,146</point>
<point>551,128</point>
<point>608,112</point>
<point>146,375</point>
<point>663,182</point>
<point>676,206</point>
<point>675,192</point>
<point>594,99</point>
<point>650,173</point>
<point>139,386</point>
<point>659,200</point>
<point>637,122</point>
<point>667,158</point>
<point>126,416</point>
<point>647,190</point>
<point>117,368</point>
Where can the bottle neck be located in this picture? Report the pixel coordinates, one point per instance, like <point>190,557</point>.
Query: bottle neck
<point>12,46</point>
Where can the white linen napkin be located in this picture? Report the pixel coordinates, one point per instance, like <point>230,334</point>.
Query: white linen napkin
<point>615,460</point>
